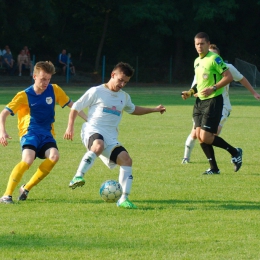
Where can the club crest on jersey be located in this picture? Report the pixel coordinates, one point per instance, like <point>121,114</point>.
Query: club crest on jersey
<point>205,76</point>
<point>49,100</point>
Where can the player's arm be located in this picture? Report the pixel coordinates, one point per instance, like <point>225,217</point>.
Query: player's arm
<point>3,134</point>
<point>146,110</point>
<point>186,94</point>
<point>70,128</point>
<point>81,113</point>
<point>247,85</point>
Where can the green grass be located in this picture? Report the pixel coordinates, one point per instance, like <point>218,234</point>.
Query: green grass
<point>181,214</point>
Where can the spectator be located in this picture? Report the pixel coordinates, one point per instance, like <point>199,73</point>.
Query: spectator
<point>5,50</point>
<point>63,59</point>
<point>8,62</point>
<point>27,52</point>
<point>23,62</point>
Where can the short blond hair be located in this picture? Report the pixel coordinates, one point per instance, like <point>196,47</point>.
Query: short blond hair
<point>46,66</point>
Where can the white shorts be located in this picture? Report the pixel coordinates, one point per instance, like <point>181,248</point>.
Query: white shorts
<point>225,115</point>
<point>108,149</point>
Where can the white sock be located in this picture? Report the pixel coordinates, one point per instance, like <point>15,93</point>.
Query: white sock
<point>86,163</point>
<point>126,180</point>
<point>189,145</point>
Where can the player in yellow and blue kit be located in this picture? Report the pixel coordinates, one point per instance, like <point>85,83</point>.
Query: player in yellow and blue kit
<point>35,108</point>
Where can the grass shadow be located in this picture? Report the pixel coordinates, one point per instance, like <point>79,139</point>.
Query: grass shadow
<point>199,204</point>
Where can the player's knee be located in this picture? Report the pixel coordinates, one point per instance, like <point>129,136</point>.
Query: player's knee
<point>123,159</point>
<point>54,157</point>
<point>97,148</point>
<point>207,139</point>
<point>28,161</point>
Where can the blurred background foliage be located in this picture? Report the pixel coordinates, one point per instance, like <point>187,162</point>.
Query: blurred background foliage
<point>153,33</point>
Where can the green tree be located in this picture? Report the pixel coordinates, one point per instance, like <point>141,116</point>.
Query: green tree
<point>161,29</point>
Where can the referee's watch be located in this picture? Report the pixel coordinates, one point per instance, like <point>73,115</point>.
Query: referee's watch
<point>214,88</point>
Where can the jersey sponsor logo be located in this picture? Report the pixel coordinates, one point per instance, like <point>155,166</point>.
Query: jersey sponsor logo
<point>218,60</point>
<point>112,110</point>
<point>205,126</point>
<point>49,100</point>
<point>205,76</point>
<point>33,104</point>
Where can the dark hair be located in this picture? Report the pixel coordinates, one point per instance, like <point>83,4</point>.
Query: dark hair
<point>214,47</point>
<point>125,68</point>
<point>201,35</point>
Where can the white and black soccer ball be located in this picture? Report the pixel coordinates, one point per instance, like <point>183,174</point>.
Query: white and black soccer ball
<point>110,191</point>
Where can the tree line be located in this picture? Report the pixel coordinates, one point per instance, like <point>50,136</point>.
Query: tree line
<point>152,32</point>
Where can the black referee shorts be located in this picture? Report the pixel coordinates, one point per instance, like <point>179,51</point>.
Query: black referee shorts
<point>207,113</point>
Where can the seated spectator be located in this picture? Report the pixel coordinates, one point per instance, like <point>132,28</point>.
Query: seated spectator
<point>62,62</point>
<point>27,52</point>
<point>5,50</point>
<point>8,62</point>
<point>23,62</point>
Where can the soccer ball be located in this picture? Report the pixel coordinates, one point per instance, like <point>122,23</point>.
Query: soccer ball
<point>110,191</point>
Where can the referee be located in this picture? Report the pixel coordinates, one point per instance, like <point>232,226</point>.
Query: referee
<point>211,75</point>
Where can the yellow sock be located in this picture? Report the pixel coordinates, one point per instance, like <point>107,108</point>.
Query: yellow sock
<point>15,177</point>
<point>43,170</point>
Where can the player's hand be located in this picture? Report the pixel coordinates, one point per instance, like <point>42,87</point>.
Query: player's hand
<point>3,139</point>
<point>69,134</point>
<point>161,109</point>
<point>207,91</point>
<point>257,96</point>
<point>185,94</point>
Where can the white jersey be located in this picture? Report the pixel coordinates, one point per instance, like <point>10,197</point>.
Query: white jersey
<point>237,76</point>
<point>105,108</point>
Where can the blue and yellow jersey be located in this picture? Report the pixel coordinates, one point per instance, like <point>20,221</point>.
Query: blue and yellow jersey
<point>35,112</point>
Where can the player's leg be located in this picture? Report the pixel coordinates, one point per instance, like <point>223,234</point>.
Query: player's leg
<point>236,158</point>
<point>28,156</point>
<point>189,145</point>
<point>209,152</point>
<point>224,117</point>
<point>121,157</point>
<point>112,156</point>
<point>49,152</point>
<point>206,128</point>
<point>95,146</point>
<point>236,153</point>
<point>213,115</point>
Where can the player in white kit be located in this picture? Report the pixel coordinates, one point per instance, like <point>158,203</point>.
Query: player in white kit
<point>99,134</point>
<point>237,76</point>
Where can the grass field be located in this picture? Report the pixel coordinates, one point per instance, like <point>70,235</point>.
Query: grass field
<point>181,213</point>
